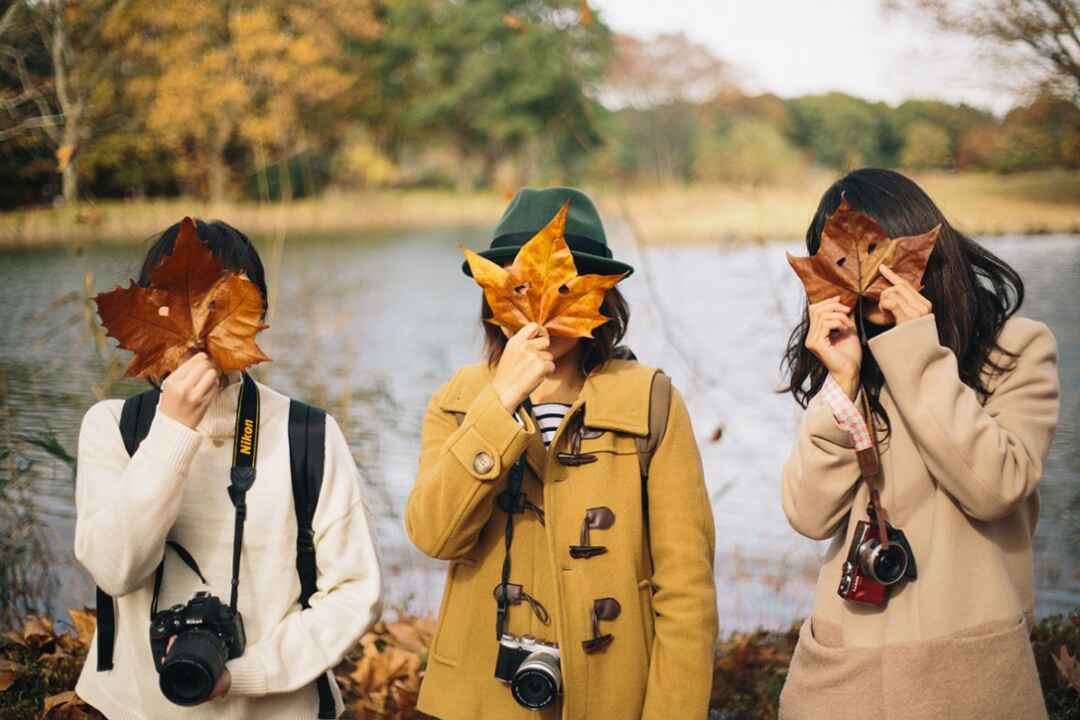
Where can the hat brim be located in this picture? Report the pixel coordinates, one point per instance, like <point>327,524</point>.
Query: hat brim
<point>586,263</point>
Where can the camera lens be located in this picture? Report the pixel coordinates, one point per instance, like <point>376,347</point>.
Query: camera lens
<point>885,565</point>
<point>537,682</point>
<point>192,667</point>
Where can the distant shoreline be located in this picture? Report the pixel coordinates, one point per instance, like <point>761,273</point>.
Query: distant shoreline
<point>727,215</point>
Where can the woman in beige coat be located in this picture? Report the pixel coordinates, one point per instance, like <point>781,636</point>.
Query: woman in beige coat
<point>965,396</point>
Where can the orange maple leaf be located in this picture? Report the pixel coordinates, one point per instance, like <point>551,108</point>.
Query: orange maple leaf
<point>191,303</point>
<point>853,248</point>
<point>543,286</point>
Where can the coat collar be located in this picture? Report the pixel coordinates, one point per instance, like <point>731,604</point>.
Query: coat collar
<point>615,397</point>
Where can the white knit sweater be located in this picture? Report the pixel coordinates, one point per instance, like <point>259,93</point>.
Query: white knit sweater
<point>174,488</point>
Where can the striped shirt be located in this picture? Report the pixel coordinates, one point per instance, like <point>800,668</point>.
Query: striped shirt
<point>548,418</point>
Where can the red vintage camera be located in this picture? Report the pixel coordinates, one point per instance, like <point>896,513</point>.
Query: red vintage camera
<point>871,568</point>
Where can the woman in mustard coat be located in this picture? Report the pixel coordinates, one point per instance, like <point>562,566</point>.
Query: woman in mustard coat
<point>609,599</point>
<point>965,394</point>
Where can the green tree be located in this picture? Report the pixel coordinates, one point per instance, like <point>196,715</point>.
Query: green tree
<point>748,151</point>
<point>486,76</point>
<point>926,146</point>
<point>843,132</point>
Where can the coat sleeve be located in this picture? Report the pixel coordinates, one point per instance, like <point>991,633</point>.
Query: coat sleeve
<point>347,600</point>
<point>684,602</point>
<point>126,505</point>
<point>989,458</point>
<point>454,495</point>
<point>820,475</point>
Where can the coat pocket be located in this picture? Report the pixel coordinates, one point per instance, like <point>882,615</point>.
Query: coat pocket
<point>455,613</point>
<point>982,673</point>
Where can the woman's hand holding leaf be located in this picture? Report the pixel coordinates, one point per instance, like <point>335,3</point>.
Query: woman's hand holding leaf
<point>834,339</point>
<point>187,392</point>
<point>902,300</point>
<point>524,364</point>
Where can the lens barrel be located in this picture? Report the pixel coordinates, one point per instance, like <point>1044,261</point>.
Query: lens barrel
<point>885,565</point>
<point>192,667</point>
<point>538,681</point>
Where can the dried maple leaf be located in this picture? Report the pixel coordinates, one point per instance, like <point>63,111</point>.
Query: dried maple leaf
<point>192,303</point>
<point>853,248</point>
<point>543,286</point>
<point>1069,667</point>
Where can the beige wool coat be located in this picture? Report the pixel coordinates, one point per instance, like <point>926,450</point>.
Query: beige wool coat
<point>961,479</point>
<point>659,663</point>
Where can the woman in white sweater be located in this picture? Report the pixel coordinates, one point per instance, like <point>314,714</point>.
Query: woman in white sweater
<point>173,489</point>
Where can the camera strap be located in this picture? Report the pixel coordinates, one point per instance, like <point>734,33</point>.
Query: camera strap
<point>241,478</point>
<point>242,474</point>
<point>509,501</point>
<point>870,458</point>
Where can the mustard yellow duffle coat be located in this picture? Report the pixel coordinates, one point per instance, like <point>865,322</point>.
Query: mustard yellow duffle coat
<point>658,664</point>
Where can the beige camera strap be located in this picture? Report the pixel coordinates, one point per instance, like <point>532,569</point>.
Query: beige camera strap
<point>870,468</point>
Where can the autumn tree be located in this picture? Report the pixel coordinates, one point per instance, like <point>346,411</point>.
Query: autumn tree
<point>1046,30</point>
<point>59,57</point>
<point>658,84</point>
<point>260,78</point>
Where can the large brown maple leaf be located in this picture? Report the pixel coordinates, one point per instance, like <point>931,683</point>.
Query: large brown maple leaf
<point>543,286</point>
<point>191,303</point>
<point>853,248</point>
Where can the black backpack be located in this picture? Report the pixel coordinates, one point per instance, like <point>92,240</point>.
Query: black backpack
<point>307,448</point>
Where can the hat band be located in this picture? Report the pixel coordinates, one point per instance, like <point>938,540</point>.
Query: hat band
<point>580,243</point>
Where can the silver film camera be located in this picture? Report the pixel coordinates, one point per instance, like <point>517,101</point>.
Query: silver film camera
<point>531,668</point>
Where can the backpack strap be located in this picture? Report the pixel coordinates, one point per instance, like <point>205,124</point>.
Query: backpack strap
<point>135,420</point>
<point>307,455</point>
<point>659,409</point>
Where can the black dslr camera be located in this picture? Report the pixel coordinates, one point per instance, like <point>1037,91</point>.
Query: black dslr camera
<point>871,569</point>
<point>208,632</point>
<point>531,668</point>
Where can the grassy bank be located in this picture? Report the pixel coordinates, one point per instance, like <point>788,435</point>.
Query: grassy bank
<point>380,678</point>
<point>980,204</point>
<point>126,221</point>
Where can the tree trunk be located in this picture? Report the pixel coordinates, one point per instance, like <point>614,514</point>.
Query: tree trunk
<point>285,185</point>
<point>217,173</point>
<point>70,178</point>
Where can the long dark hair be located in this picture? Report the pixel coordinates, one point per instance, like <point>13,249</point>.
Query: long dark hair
<point>973,291</point>
<point>231,247</point>
<point>603,346</point>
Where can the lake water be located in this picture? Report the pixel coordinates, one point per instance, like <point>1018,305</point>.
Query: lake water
<point>369,326</point>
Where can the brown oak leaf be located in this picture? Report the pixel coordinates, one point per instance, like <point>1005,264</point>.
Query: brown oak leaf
<point>192,303</point>
<point>853,248</point>
<point>543,286</point>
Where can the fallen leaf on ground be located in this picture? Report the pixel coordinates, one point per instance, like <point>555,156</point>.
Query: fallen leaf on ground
<point>853,248</point>
<point>84,623</point>
<point>192,303</point>
<point>543,286</point>
<point>1069,668</point>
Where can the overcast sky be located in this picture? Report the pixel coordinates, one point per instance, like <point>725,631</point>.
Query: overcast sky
<point>794,47</point>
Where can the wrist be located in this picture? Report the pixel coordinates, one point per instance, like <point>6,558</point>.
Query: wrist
<point>509,399</point>
<point>849,383</point>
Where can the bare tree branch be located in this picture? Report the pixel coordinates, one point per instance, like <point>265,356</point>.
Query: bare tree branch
<point>32,123</point>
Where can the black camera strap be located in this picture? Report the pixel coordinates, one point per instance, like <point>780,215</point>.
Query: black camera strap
<point>241,478</point>
<point>242,474</point>
<point>510,502</point>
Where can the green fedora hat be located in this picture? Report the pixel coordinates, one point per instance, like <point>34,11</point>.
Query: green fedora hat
<point>533,208</point>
